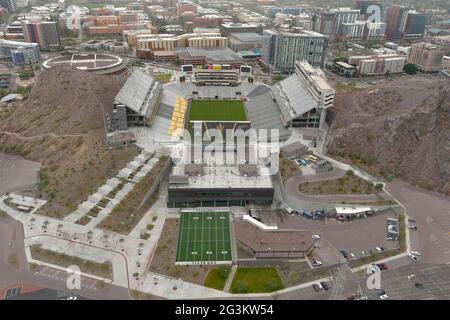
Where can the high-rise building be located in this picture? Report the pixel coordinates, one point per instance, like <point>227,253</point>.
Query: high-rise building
<point>343,15</point>
<point>44,33</point>
<point>415,24</point>
<point>403,23</point>
<point>281,50</point>
<point>426,56</point>
<point>19,52</point>
<point>9,4</point>
<point>396,22</point>
<point>352,31</point>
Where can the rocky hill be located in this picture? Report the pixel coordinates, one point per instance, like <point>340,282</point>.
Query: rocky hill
<point>60,124</point>
<point>397,128</point>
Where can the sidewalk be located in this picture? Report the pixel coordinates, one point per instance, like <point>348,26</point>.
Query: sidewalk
<point>227,286</point>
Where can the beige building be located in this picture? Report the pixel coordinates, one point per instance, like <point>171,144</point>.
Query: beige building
<point>130,36</point>
<point>428,57</point>
<point>169,42</point>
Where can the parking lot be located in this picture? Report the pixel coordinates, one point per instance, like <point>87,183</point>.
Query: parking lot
<point>18,172</point>
<point>354,237</point>
<point>434,280</point>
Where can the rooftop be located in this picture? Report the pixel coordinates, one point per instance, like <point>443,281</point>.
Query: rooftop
<point>223,176</point>
<point>212,54</point>
<point>279,240</point>
<point>246,36</point>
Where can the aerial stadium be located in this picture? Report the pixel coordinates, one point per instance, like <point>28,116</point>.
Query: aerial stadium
<point>221,99</point>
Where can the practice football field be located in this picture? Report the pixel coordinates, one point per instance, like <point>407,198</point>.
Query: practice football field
<point>217,110</point>
<point>204,237</point>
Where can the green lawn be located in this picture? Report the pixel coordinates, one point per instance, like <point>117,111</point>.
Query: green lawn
<point>163,77</point>
<point>217,110</point>
<point>256,280</point>
<point>217,278</point>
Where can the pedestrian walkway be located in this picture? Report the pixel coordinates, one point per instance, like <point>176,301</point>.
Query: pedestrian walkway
<point>230,279</point>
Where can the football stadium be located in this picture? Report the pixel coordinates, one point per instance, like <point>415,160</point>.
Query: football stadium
<point>219,99</point>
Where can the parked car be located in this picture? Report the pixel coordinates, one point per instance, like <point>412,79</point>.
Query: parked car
<point>413,257</point>
<point>353,256</point>
<point>384,266</point>
<point>379,249</point>
<point>344,254</point>
<point>411,276</point>
<point>316,237</point>
<point>418,285</point>
<point>364,253</point>
<point>412,220</point>
<point>324,285</point>
<point>416,253</point>
<point>374,268</point>
<point>316,287</point>
<point>316,263</point>
<point>384,297</point>
<point>319,285</point>
<point>411,227</point>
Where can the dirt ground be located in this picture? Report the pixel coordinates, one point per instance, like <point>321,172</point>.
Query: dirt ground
<point>61,125</point>
<point>289,272</point>
<point>99,269</point>
<point>288,169</point>
<point>163,261</point>
<point>348,184</point>
<point>396,129</point>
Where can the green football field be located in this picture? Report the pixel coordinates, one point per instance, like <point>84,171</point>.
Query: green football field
<point>217,110</point>
<point>204,237</point>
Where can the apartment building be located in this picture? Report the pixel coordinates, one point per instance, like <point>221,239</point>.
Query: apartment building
<point>169,41</point>
<point>378,64</point>
<point>428,57</point>
<point>280,50</point>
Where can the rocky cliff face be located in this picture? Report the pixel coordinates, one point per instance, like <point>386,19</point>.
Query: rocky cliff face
<point>399,128</point>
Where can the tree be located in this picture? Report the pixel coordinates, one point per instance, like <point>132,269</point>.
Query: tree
<point>410,68</point>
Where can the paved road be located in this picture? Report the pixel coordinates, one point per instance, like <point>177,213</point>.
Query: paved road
<point>46,279</point>
<point>432,214</point>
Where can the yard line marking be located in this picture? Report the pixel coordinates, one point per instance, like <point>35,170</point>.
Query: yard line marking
<point>215,224</point>
<point>195,238</point>
<point>209,238</point>
<point>223,240</point>
<point>201,241</point>
<point>189,228</point>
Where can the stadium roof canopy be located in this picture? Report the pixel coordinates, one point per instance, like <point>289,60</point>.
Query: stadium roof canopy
<point>139,93</point>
